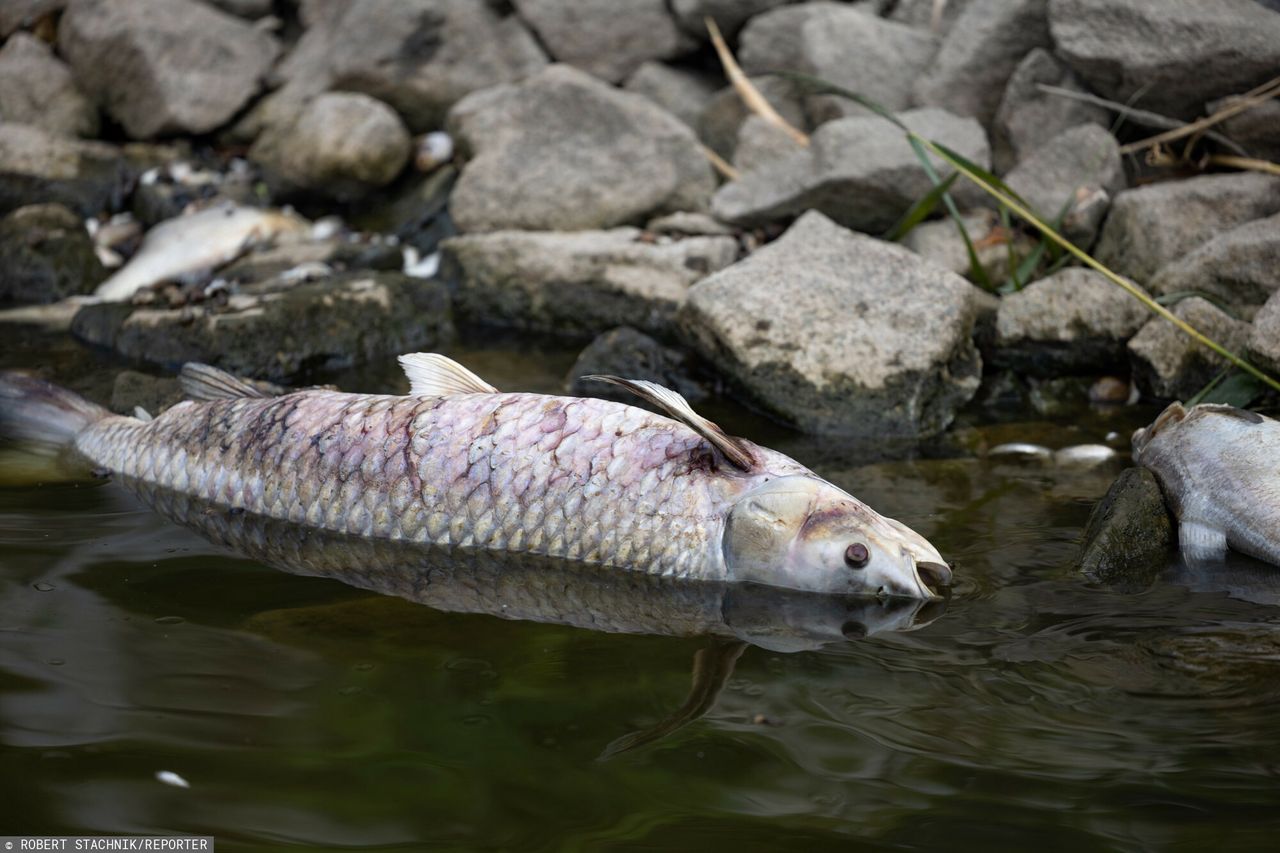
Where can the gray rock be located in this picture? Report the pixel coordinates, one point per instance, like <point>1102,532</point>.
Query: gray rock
<point>1240,267</point>
<point>681,92</point>
<point>1264,338</point>
<point>1079,170</point>
<point>1167,363</point>
<point>326,325</point>
<point>46,255</point>
<point>610,158</point>
<point>1168,56</point>
<point>152,393</point>
<point>929,15</point>
<point>861,172</point>
<point>729,15</point>
<point>604,37</point>
<point>1075,321</point>
<point>721,121</point>
<point>18,14</point>
<point>1129,536</point>
<point>578,284</point>
<point>37,166</point>
<point>414,210</point>
<point>760,142</point>
<point>840,333</point>
<point>687,224</point>
<point>1257,128</point>
<point>342,145</point>
<point>632,355</point>
<point>36,88</point>
<point>164,66</point>
<point>980,53</point>
<point>1152,225</point>
<point>1027,118</point>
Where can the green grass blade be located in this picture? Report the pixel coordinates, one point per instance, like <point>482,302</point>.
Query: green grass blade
<point>971,168</point>
<point>920,211</point>
<point>976,270</point>
<point>1238,389</point>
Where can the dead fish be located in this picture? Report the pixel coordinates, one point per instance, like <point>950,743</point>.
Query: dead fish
<point>1219,468</point>
<point>200,241</point>
<point>457,463</point>
<point>1021,449</point>
<point>1083,455</point>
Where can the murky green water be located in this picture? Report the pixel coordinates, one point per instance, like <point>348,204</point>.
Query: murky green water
<point>1037,712</point>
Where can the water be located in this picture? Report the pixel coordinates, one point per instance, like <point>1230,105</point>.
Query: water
<point>1038,711</point>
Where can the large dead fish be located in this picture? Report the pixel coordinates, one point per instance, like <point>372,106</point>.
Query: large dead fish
<point>458,464</point>
<point>199,241</point>
<point>1219,468</point>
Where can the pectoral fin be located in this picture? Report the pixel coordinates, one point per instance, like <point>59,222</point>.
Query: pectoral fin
<point>1200,541</point>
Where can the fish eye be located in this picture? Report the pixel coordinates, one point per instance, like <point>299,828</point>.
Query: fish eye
<point>856,555</point>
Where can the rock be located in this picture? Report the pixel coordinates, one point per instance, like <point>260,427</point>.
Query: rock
<point>251,9</point>
<point>614,158</point>
<point>683,93</point>
<point>1074,321</point>
<point>1257,128</point>
<point>36,88</point>
<point>37,166</point>
<point>861,172</point>
<point>1168,364</point>
<point>164,66</point>
<point>929,15</point>
<point>940,242</point>
<point>1238,267</point>
<point>761,142</point>
<point>632,355</point>
<point>686,224</point>
<point>1264,338</point>
<point>721,121</point>
<point>281,334</point>
<point>414,210</point>
<point>151,393</point>
<point>1027,118</point>
<point>1167,56</point>
<point>840,333</point>
<point>577,284</point>
<point>20,14</point>
<point>1078,170</point>
<point>342,145</point>
<point>1129,536</point>
<point>980,53</point>
<point>729,15</point>
<point>1152,225</point>
<point>603,37</point>
<point>46,255</point>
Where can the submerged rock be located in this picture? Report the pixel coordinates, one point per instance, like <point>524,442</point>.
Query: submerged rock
<point>841,333</point>
<point>1129,536</point>
<point>578,284</point>
<point>46,255</point>
<point>1240,267</point>
<point>1079,171</point>
<point>1169,364</point>
<point>611,157</point>
<point>603,37</point>
<point>37,166</point>
<point>1027,118</point>
<point>631,354</point>
<point>36,88</point>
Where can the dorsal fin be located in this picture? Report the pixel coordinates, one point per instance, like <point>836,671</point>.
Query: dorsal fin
<point>433,375</point>
<point>205,383</point>
<point>675,405</point>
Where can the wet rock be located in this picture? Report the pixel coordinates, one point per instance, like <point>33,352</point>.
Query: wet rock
<point>613,157</point>
<point>1027,118</point>
<point>861,172</point>
<point>46,255</point>
<point>1074,321</point>
<point>840,333</point>
<point>1257,128</point>
<point>1130,535</point>
<point>729,15</point>
<point>979,55</point>
<point>1237,267</point>
<point>341,145</point>
<point>578,284</point>
<point>761,142</point>
<point>154,394</point>
<point>19,14</point>
<point>940,242</point>
<point>1168,364</point>
<point>1264,339</point>
<point>1110,390</point>
<point>603,37</point>
<point>631,354</point>
<point>1152,225</point>
<point>164,66</point>
<point>281,334</point>
<point>37,166</point>
<point>681,92</point>
<point>721,121</point>
<point>36,88</point>
<point>1078,170</point>
<point>1205,50</point>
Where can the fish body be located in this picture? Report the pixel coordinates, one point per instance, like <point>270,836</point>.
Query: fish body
<point>1219,468</point>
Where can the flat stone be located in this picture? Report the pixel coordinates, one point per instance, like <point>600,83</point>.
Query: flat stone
<point>618,160</point>
<point>1168,364</point>
<point>1079,171</point>
<point>1027,118</point>
<point>1167,56</point>
<point>631,354</point>
<point>1129,536</point>
<point>578,284</point>
<point>1264,337</point>
<point>1239,267</point>
<point>36,88</point>
<point>603,37</point>
<point>1152,225</point>
<point>46,255</point>
<point>37,166</point>
<point>679,91</point>
<point>838,332</point>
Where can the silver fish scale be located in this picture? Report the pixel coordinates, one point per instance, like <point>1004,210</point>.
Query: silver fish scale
<point>579,479</point>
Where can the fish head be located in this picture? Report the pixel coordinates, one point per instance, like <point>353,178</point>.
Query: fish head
<point>803,533</point>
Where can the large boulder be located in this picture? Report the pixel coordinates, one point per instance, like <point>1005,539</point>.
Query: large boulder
<point>838,332</point>
<point>979,55</point>
<point>608,157</point>
<point>861,172</point>
<point>1152,225</point>
<point>1169,56</point>
<point>1077,172</point>
<point>1027,117</point>
<point>45,255</point>
<point>1240,267</point>
<point>36,88</point>
<point>37,166</point>
<point>578,284</point>
<point>1264,337</point>
<point>164,66</point>
<point>1169,364</point>
<point>604,37</point>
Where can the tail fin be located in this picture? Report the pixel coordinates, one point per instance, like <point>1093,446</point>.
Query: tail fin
<point>41,417</point>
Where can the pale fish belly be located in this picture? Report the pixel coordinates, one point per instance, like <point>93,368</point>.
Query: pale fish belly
<point>577,479</point>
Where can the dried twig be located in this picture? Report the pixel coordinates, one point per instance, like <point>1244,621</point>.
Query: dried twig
<point>1247,101</point>
<point>1248,163</point>
<point>749,94</point>
<point>720,164</point>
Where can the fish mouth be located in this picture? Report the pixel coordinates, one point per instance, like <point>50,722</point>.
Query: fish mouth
<point>933,580</point>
